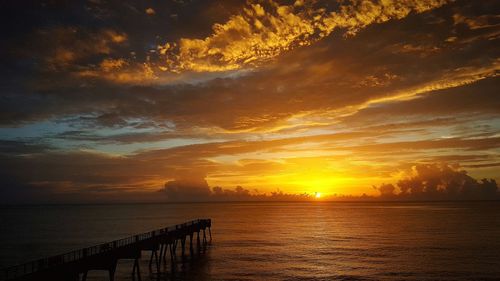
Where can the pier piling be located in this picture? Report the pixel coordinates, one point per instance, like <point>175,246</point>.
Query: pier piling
<point>71,265</point>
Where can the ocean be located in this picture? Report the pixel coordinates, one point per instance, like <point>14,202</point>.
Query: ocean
<point>278,241</point>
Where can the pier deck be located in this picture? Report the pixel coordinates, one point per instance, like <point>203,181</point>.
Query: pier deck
<point>76,264</point>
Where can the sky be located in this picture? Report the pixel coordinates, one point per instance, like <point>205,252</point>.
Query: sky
<point>147,100</point>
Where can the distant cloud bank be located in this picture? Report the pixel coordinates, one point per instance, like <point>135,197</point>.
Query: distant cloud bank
<point>185,191</point>
<point>421,182</point>
<point>439,182</point>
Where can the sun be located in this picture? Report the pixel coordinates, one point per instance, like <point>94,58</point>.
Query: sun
<point>317,195</point>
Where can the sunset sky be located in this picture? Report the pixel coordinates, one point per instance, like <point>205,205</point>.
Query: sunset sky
<point>116,98</point>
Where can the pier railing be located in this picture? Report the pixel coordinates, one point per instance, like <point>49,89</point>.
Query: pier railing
<point>31,267</point>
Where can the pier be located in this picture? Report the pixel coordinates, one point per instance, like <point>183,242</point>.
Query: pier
<point>75,265</point>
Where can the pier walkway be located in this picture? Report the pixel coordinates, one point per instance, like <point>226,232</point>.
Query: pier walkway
<point>75,265</point>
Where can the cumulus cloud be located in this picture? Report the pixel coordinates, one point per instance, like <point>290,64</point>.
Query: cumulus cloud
<point>187,188</point>
<point>191,186</point>
<point>439,182</point>
<point>179,191</point>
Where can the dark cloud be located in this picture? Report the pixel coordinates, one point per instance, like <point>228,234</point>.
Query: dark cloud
<point>190,186</point>
<point>440,182</point>
<point>179,191</point>
<point>242,194</point>
<point>480,97</point>
<point>450,143</point>
<point>19,147</point>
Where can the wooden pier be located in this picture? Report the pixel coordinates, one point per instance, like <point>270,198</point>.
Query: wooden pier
<point>75,265</point>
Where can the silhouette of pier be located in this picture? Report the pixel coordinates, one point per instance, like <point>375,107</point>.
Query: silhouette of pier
<point>75,265</point>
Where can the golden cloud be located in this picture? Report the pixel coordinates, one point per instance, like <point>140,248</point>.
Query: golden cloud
<point>263,31</point>
<point>120,71</point>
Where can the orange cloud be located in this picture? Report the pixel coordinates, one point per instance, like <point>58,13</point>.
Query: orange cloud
<point>120,71</point>
<point>262,32</point>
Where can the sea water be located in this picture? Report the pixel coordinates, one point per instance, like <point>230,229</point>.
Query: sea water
<point>279,240</point>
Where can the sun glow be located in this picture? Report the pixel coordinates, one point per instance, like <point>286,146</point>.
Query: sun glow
<point>317,195</point>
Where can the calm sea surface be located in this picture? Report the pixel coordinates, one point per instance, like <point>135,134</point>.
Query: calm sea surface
<point>279,241</point>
